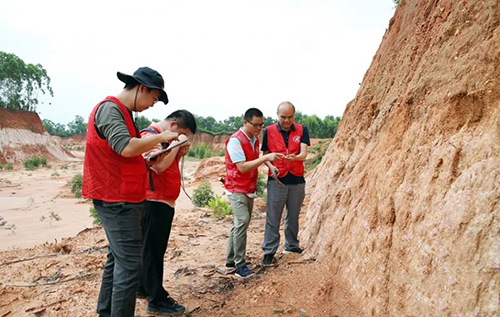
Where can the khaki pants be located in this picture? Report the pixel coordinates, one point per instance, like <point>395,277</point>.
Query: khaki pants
<point>242,212</point>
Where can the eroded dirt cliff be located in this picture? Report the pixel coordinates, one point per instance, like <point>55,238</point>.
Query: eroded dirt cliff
<point>404,207</point>
<point>22,135</point>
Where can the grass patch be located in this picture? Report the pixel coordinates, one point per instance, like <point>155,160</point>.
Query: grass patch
<point>219,207</point>
<point>34,162</point>
<point>76,185</point>
<point>321,148</point>
<point>93,214</point>
<point>200,151</point>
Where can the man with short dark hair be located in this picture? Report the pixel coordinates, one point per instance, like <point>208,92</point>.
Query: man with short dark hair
<point>242,162</point>
<point>114,175</point>
<point>162,191</point>
<point>290,139</point>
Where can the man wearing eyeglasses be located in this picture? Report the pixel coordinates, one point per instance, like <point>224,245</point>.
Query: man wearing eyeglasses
<point>291,140</point>
<point>242,162</point>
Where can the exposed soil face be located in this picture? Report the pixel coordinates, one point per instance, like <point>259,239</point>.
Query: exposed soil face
<point>405,203</point>
<point>22,135</point>
<point>21,120</point>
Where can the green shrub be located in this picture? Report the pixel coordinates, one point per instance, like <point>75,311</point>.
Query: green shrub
<point>219,207</point>
<point>34,161</point>
<point>64,167</point>
<point>76,185</point>
<point>203,194</point>
<point>9,166</point>
<point>261,184</point>
<point>200,151</point>
<point>93,214</point>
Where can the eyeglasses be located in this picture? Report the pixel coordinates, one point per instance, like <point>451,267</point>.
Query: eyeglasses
<point>256,125</point>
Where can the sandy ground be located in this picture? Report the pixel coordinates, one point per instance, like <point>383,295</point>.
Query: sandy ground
<point>40,276</point>
<point>27,196</point>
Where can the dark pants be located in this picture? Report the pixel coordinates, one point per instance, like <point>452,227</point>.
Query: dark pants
<point>291,197</point>
<point>155,234</point>
<point>122,224</point>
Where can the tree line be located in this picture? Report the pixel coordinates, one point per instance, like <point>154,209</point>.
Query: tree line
<point>318,128</point>
<point>20,84</point>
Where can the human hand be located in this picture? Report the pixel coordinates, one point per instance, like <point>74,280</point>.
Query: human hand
<point>274,170</point>
<point>182,137</point>
<point>183,150</point>
<point>290,157</point>
<point>157,159</point>
<point>273,157</point>
<point>168,135</point>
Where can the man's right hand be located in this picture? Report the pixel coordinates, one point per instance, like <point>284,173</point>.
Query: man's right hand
<point>273,157</point>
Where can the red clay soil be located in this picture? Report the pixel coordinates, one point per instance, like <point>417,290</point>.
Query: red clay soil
<point>19,119</point>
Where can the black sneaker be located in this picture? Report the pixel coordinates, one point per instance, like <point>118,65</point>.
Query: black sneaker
<point>293,250</point>
<point>269,260</point>
<point>244,272</point>
<point>141,293</point>
<point>232,265</point>
<point>166,307</point>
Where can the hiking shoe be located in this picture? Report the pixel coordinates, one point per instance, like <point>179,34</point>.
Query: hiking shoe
<point>166,307</point>
<point>243,272</point>
<point>293,250</point>
<point>269,260</point>
<point>232,265</point>
<point>141,293</point>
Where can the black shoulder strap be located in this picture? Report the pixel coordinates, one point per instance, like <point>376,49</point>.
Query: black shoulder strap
<point>151,184</point>
<point>150,130</point>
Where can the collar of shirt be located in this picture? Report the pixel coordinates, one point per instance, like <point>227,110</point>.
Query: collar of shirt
<point>280,129</point>
<point>251,139</point>
<point>157,125</point>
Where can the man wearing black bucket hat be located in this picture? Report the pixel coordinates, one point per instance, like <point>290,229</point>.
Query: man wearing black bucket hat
<point>114,177</point>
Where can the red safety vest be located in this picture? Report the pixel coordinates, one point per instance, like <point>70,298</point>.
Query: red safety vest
<point>276,144</point>
<point>108,176</point>
<point>235,181</point>
<point>167,185</point>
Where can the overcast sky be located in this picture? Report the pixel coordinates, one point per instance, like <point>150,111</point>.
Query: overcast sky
<point>218,58</point>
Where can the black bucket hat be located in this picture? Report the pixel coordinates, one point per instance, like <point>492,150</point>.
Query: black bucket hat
<point>149,78</point>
